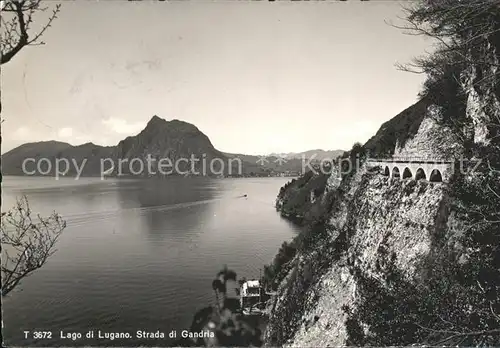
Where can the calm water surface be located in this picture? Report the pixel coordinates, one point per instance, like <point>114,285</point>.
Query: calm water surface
<point>139,254</point>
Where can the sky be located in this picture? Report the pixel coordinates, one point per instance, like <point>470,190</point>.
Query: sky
<point>255,77</point>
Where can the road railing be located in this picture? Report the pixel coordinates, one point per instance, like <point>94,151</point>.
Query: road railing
<point>414,159</point>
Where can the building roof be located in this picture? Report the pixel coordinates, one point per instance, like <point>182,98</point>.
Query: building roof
<point>253,283</point>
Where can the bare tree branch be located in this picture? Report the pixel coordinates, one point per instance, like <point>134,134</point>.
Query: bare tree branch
<point>27,243</point>
<point>16,31</point>
<point>465,334</point>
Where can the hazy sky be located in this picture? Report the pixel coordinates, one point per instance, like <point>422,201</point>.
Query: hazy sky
<point>254,77</point>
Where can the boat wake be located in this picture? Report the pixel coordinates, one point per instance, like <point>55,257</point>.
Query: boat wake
<point>96,216</point>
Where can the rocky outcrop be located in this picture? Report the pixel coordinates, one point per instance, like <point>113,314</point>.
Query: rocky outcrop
<point>433,139</point>
<point>480,85</point>
<point>377,227</point>
<point>373,222</point>
<point>382,220</point>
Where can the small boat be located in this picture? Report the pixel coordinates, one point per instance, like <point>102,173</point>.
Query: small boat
<point>108,171</point>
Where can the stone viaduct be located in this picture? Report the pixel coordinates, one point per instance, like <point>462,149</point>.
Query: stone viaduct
<point>434,170</point>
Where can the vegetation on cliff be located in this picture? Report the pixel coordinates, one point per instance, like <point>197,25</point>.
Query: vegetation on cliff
<point>294,199</point>
<point>397,130</point>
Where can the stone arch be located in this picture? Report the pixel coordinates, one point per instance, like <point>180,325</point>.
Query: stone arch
<point>436,176</point>
<point>395,172</point>
<point>420,174</point>
<point>407,173</point>
<point>387,172</point>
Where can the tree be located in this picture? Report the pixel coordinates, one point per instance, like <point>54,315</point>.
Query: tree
<point>229,327</point>
<point>27,242</point>
<point>466,54</point>
<point>16,21</point>
<point>461,29</point>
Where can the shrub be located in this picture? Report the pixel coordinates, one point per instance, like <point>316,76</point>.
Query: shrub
<point>228,326</point>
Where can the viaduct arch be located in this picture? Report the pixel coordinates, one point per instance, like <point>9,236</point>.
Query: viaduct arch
<point>434,170</point>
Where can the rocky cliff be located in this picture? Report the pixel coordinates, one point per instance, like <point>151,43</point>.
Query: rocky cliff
<point>372,226</point>
<point>370,220</point>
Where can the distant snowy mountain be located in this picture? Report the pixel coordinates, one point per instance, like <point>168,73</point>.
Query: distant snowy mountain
<point>317,154</point>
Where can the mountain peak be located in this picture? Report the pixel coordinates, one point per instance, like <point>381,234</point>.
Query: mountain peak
<point>155,120</point>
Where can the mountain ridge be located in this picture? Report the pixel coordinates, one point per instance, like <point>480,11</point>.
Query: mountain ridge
<point>159,139</point>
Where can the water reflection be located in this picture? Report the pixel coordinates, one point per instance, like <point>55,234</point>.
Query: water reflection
<point>169,207</point>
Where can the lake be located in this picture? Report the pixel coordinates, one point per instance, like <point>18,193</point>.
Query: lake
<point>139,254</point>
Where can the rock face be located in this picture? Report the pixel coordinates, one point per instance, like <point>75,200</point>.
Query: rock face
<point>381,219</point>
<point>433,139</point>
<point>483,106</point>
<point>372,221</point>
